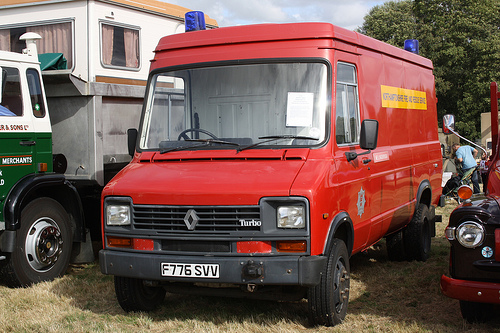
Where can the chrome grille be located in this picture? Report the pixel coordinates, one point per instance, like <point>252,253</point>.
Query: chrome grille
<point>206,219</point>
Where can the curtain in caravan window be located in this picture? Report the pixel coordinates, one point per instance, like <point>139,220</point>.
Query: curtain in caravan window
<point>5,39</point>
<point>120,46</point>
<point>131,38</point>
<point>56,38</point>
<point>107,43</point>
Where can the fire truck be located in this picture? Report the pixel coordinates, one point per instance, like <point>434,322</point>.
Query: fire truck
<point>267,155</point>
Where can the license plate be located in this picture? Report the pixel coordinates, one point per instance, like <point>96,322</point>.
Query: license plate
<point>209,271</point>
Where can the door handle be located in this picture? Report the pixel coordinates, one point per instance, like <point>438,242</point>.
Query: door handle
<point>27,143</point>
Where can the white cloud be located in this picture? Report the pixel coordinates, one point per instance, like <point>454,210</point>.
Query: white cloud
<point>347,14</point>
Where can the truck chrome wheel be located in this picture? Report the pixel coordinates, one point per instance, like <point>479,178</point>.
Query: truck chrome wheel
<point>44,244</point>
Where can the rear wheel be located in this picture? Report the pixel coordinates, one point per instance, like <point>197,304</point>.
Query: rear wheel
<point>135,295</point>
<point>43,244</point>
<point>476,312</point>
<point>328,300</point>
<point>417,235</point>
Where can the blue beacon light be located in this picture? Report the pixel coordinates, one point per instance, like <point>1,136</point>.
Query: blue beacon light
<point>195,21</point>
<point>411,45</point>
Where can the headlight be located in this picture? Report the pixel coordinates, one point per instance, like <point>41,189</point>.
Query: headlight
<point>291,217</point>
<point>117,215</point>
<point>470,234</point>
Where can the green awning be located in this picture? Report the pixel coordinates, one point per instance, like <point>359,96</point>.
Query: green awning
<point>52,61</point>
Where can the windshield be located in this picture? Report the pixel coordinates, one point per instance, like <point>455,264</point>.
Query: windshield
<point>240,106</point>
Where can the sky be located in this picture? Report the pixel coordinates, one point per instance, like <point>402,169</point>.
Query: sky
<point>348,14</point>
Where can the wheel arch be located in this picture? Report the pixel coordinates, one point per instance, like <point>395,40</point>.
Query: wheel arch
<point>341,228</point>
<point>53,186</point>
<point>424,194</point>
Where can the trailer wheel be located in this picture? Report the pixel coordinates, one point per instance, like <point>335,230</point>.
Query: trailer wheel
<point>395,247</point>
<point>417,235</point>
<point>328,300</point>
<point>134,295</point>
<point>476,312</point>
<point>43,244</point>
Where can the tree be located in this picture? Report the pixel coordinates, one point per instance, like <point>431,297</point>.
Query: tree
<point>461,37</point>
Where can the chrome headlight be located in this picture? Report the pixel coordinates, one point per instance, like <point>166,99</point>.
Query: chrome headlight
<point>117,215</point>
<point>470,234</point>
<point>292,217</point>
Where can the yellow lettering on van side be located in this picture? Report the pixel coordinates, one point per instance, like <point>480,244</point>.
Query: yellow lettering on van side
<point>399,98</point>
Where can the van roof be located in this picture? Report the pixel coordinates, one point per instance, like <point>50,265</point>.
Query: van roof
<point>17,57</point>
<point>283,32</point>
<point>155,6</point>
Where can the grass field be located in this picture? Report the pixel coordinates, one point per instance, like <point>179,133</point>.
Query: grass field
<point>385,297</point>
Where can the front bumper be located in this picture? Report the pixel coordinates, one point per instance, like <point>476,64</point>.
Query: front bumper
<point>472,291</point>
<point>279,270</point>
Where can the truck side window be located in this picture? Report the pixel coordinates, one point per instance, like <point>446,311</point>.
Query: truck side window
<point>347,106</point>
<point>36,96</point>
<point>119,46</point>
<point>12,103</point>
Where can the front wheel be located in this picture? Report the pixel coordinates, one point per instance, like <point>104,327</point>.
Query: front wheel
<point>135,295</point>
<point>43,244</point>
<point>328,300</point>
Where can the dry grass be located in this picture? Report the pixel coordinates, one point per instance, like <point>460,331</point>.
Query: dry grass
<point>385,297</point>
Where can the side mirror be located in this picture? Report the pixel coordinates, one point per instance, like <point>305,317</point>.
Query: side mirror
<point>367,139</point>
<point>369,134</point>
<point>448,123</point>
<point>131,140</point>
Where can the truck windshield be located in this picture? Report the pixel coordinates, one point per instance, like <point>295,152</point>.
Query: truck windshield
<point>236,107</point>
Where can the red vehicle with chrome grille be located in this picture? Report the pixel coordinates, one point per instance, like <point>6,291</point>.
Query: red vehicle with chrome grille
<point>268,155</point>
<point>474,234</point>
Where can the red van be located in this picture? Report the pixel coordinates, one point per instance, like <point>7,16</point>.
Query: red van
<point>267,155</point>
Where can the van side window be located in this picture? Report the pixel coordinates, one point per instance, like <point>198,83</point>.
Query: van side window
<point>119,46</point>
<point>36,96</point>
<point>12,103</point>
<point>347,106</point>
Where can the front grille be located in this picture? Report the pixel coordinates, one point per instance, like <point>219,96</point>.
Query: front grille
<point>200,219</point>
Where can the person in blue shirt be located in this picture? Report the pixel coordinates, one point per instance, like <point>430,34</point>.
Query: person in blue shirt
<point>6,112</point>
<point>467,156</point>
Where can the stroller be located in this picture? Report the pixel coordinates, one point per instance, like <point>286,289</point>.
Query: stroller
<point>450,189</point>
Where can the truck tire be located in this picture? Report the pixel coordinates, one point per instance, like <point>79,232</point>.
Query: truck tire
<point>476,312</point>
<point>43,245</point>
<point>134,295</point>
<point>417,235</point>
<point>395,247</point>
<point>328,300</point>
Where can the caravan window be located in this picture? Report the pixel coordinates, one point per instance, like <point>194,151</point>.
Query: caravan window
<point>119,46</point>
<point>56,38</point>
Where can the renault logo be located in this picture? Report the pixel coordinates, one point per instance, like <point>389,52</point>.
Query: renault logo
<point>191,219</point>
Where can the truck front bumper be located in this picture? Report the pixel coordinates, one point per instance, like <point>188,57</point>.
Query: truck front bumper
<point>279,270</point>
<point>472,291</point>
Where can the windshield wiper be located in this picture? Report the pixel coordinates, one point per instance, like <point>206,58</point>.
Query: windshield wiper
<point>271,138</point>
<point>204,143</point>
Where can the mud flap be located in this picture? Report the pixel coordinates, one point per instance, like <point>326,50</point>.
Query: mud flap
<point>83,252</point>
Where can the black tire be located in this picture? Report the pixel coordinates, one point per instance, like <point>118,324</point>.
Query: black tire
<point>43,245</point>
<point>134,295</point>
<point>417,235</point>
<point>476,312</point>
<point>395,247</point>
<point>328,300</point>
